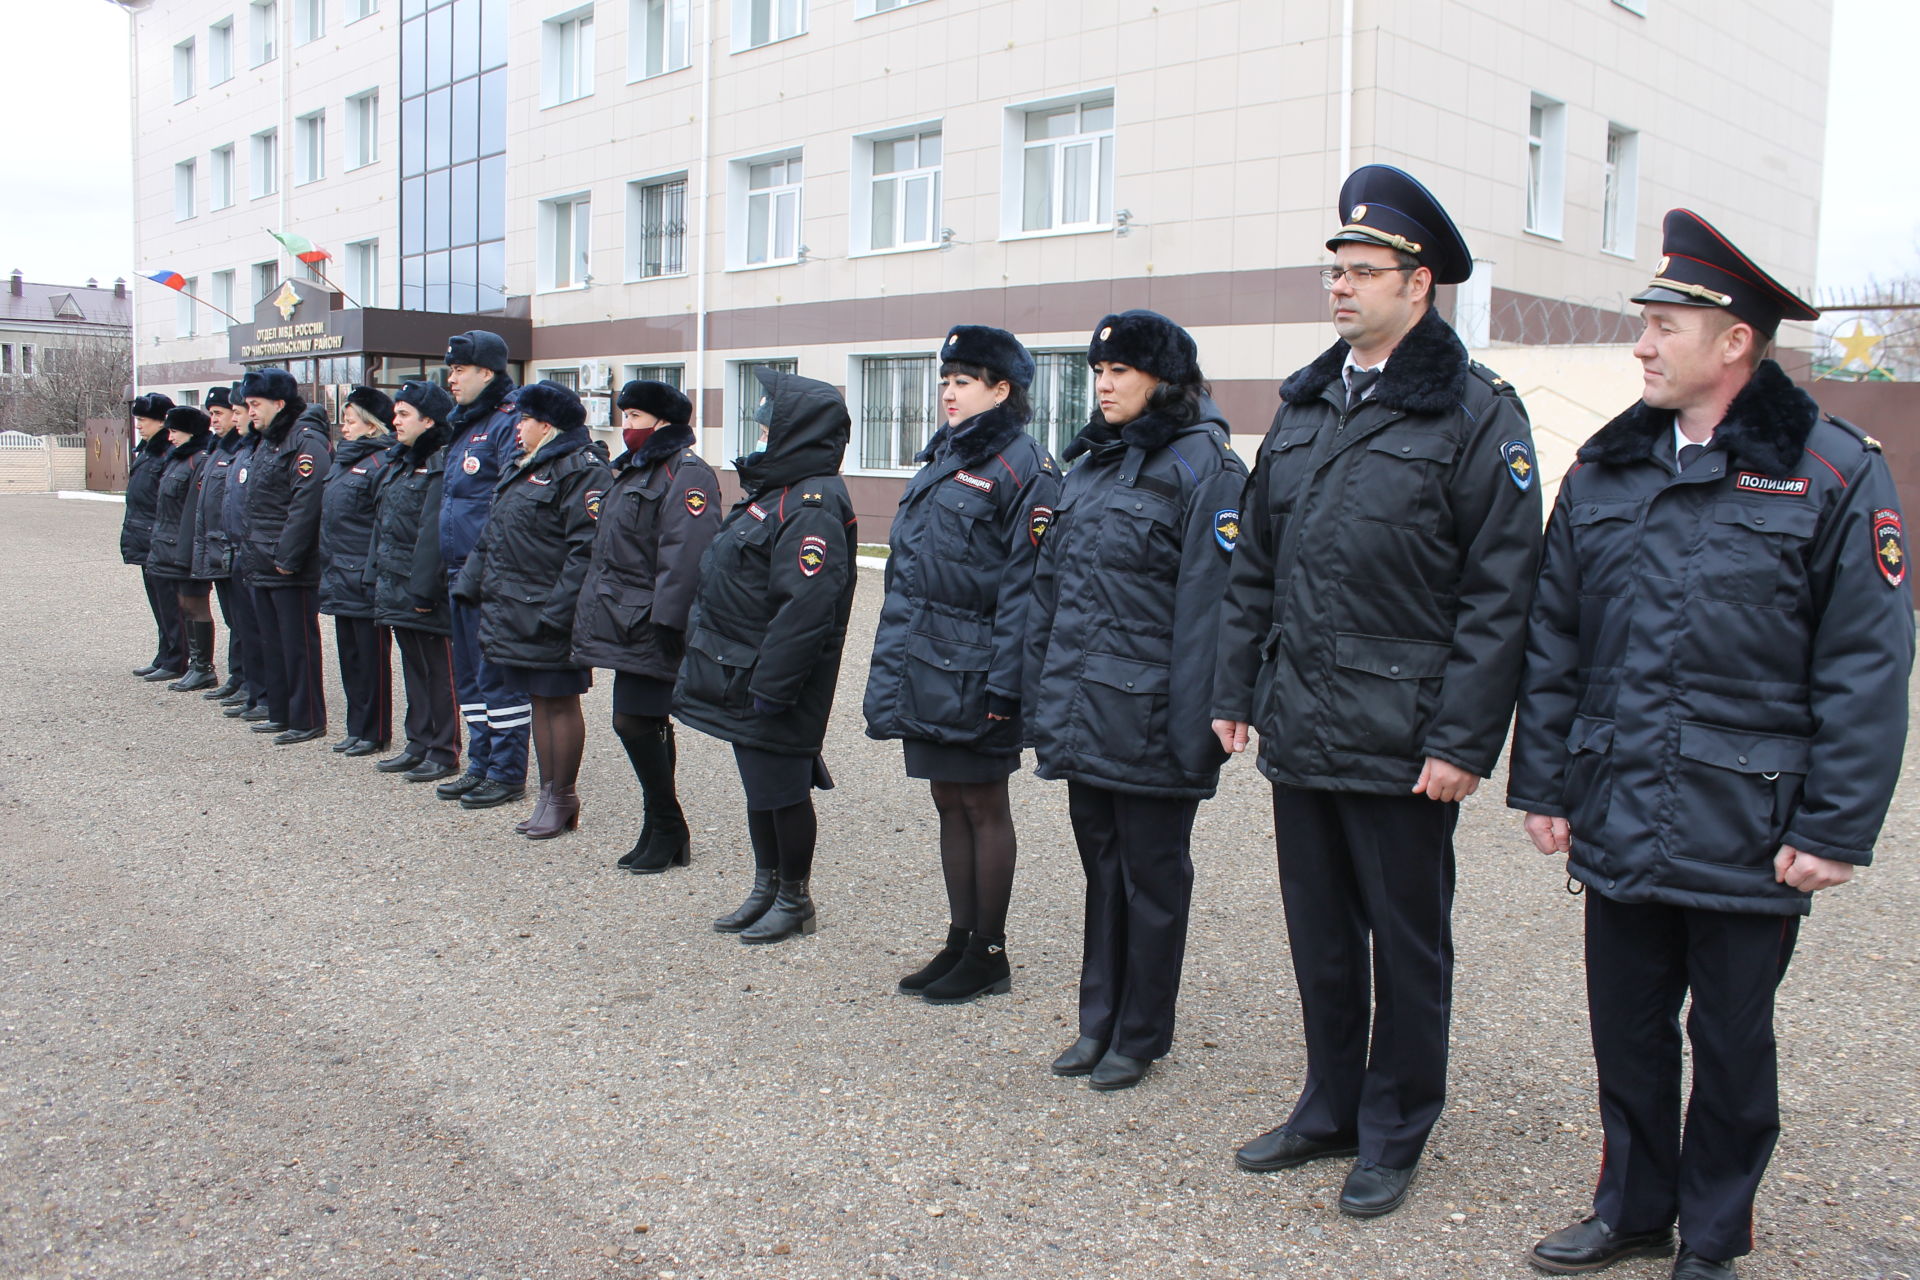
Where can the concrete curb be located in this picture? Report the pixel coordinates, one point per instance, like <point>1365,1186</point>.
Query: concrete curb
<point>86,495</point>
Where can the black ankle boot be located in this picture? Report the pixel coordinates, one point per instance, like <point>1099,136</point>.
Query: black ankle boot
<point>982,971</point>
<point>670,845</point>
<point>199,660</point>
<point>790,914</point>
<point>941,964</point>
<point>759,898</point>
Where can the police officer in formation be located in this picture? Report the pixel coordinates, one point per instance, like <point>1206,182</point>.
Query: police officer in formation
<point>363,647</point>
<point>284,492</point>
<point>408,580</point>
<point>1119,673</point>
<point>249,702</point>
<point>482,445</point>
<point>212,551</point>
<point>524,576</point>
<point>170,555</point>
<point>765,636</point>
<point>656,519</point>
<point>1710,730</point>
<point>945,677</point>
<point>136,536</point>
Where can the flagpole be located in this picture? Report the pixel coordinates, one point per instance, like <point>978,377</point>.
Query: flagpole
<point>196,298</point>
<point>330,284</point>
<point>314,266</point>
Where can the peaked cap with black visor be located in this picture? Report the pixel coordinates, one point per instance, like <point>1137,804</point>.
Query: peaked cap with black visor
<point>1699,267</point>
<point>1382,205</point>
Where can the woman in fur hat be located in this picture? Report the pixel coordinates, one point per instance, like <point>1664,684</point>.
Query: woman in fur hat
<point>946,670</point>
<point>364,648</point>
<point>656,520</point>
<point>170,556</point>
<point>136,535</point>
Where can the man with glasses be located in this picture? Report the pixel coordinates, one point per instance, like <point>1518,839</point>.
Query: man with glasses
<point>1373,635</point>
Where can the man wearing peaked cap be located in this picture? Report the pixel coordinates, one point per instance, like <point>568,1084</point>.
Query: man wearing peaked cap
<point>1373,636</point>
<point>1710,730</point>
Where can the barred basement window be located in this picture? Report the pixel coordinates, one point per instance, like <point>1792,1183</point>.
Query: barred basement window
<point>898,407</point>
<point>1062,398</point>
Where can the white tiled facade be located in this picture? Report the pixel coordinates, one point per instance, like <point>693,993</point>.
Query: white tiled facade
<point>1226,151</point>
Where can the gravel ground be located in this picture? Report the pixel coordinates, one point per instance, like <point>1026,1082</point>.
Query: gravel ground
<point>265,1012</point>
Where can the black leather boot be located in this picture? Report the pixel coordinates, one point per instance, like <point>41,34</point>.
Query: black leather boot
<point>671,845</point>
<point>941,964</point>
<point>982,971</point>
<point>199,660</point>
<point>791,913</point>
<point>759,898</point>
<point>226,690</point>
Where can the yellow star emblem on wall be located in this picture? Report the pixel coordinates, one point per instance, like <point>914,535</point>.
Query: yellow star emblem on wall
<point>287,301</point>
<point>1859,345</point>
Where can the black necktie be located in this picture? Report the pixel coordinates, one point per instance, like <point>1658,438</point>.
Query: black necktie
<point>1689,452</point>
<point>1359,382</point>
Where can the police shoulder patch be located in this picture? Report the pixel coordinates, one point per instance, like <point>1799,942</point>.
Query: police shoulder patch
<point>696,502</point>
<point>813,554</point>
<point>1226,528</point>
<point>1889,546</point>
<point>1038,522</point>
<point>593,502</point>
<point>1518,457</point>
<point>304,465</point>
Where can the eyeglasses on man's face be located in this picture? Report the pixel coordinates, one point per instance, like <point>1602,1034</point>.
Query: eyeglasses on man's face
<point>1359,276</point>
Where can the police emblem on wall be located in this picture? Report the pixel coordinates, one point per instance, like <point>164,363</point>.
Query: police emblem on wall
<point>1889,547</point>
<point>1226,528</point>
<point>1520,465</point>
<point>304,465</point>
<point>593,502</point>
<point>1038,523</point>
<point>696,502</point>
<point>813,555</point>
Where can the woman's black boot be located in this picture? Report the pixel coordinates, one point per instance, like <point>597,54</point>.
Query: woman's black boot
<point>940,966</point>
<point>759,898</point>
<point>791,913</point>
<point>982,971</point>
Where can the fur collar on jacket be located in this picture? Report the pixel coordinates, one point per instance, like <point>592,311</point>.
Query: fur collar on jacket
<point>1427,372</point>
<point>663,443</point>
<point>283,421</point>
<point>424,445</point>
<point>491,397</point>
<point>188,447</point>
<point>1766,426</point>
<point>976,439</point>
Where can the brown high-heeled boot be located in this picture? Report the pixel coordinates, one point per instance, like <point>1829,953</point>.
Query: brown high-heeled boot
<point>539,807</point>
<point>561,814</point>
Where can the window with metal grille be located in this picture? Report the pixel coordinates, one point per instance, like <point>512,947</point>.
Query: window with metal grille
<point>568,378</point>
<point>1062,398</point>
<point>746,399</point>
<point>674,375</point>
<point>658,227</point>
<point>898,404</point>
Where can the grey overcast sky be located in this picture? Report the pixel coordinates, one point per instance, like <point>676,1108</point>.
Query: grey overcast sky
<point>69,125</point>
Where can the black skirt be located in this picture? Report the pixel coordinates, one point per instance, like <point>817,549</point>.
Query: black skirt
<point>775,781</point>
<point>946,762</point>
<point>638,695</point>
<point>546,682</point>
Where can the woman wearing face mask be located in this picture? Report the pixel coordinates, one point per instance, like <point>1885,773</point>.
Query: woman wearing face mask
<point>655,523</point>
<point>765,636</point>
<point>945,675</point>
<point>363,646</point>
<point>525,576</point>
<point>408,580</point>
<point>170,557</point>
<point>136,535</point>
<point>1120,673</point>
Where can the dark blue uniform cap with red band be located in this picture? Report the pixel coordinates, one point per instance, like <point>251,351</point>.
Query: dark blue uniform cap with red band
<point>1380,204</point>
<point>1699,267</point>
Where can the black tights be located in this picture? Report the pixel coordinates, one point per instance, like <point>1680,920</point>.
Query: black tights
<point>559,740</point>
<point>650,748</point>
<point>196,608</point>
<point>783,839</point>
<point>976,853</point>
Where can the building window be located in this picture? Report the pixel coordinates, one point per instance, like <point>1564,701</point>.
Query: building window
<point>183,71</point>
<point>263,29</point>
<point>220,52</point>
<point>358,9</point>
<point>870,7</point>
<point>746,399</point>
<point>363,272</point>
<point>758,22</point>
<point>6,359</point>
<point>266,278</point>
<point>674,375</point>
<point>266,163</point>
<point>899,402</point>
<point>657,227</point>
<point>656,37</point>
<point>309,20</point>
<point>183,191</point>
<point>1619,210</point>
<point>900,206</point>
<point>453,164</point>
<point>1061,157</point>
<point>568,377</point>
<point>221,176</point>
<point>190,397</point>
<point>1062,398</point>
<point>184,308</point>
<point>26,359</point>
<point>363,129</point>
<point>222,297</point>
<point>1546,165</point>
<point>566,239</point>
<point>764,209</point>
<point>310,148</point>
<point>566,65</point>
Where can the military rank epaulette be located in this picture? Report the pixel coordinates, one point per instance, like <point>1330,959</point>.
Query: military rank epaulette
<point>1499,384</point>
<point>812,499</point>
<point>1866,441</point>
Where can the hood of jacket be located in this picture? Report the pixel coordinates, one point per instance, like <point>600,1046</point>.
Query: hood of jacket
<point>1766,426</point>
<point>491,397</point>
<point>976,439</point>
<point>556,448</point>
<point>1427,372</point>
<point>292,411</point>
<point>806,435</point>
<point>348,452</point>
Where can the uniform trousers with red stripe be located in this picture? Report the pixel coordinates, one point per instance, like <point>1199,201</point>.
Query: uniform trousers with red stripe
<point>1643,959</point>
<point>289,622</point>
<point>426,669</point>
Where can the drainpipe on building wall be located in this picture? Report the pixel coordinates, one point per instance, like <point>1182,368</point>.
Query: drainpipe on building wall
<point>1346,88</point>
<point>699,389</point>
<point>133,136</point>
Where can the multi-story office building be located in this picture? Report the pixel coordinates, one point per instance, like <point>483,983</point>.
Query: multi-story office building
<point>684,189</point>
